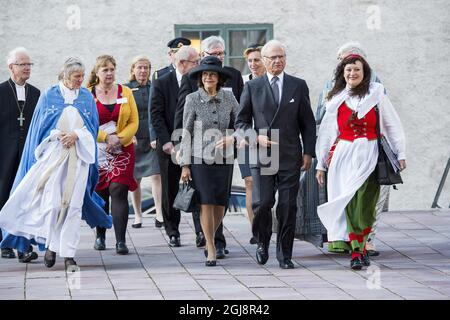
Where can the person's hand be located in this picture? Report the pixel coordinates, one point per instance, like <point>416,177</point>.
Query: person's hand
<point>153,144</point>
<point>402,165</point>
<point>320,176</point>
<point>68,139</point>
<point>307,160</point>
<point>264,141</point>
<point>113,143</point>
<point>186,174</point>
<point>134,140</point>
<point>224,142</point>
<point>243,144</point>
<point>168,148</point>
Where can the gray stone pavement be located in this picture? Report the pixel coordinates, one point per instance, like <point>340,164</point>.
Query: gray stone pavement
<point>414,264</point>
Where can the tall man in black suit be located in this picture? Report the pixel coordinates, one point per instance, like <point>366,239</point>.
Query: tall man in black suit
<point>279,106</point>
<point>211,46</point>
<point>173,46</point>
<point>164,98</point>
<point>17,102</point>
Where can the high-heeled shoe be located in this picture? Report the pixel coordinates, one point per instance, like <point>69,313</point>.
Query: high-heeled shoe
<point>210,263</point>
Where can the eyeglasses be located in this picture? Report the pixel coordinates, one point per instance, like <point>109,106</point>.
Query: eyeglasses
<point>193,62</point>
<point>21,65</point>
<point>273,58</point>
<point>217,54</point>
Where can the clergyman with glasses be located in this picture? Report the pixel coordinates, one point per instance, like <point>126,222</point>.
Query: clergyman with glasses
<point>17,100</point>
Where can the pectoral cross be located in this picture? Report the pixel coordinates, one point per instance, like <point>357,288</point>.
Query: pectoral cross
<point>21,119</point>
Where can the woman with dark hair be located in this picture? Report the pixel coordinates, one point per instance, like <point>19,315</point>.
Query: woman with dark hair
<point>207,146</point>
<point>347,148</point>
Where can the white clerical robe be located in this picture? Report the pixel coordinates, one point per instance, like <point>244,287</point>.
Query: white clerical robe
<point>34,213</point>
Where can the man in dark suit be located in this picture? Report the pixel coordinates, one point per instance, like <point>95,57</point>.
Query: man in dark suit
<point>164,98</point>
<point>279,106</point>
<point>174,45</point>
<point>211,46</point>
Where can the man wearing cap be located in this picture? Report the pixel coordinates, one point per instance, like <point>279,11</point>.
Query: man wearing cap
<point>173,46</point>
<point>211,46</point>
<point>277,105</point>
<point>163,101</point>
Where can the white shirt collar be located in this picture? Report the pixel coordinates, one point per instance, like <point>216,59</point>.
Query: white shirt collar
<point>69,95</point>
<point>280,78</point>
<point>179,76</point>
<point>20,89</point>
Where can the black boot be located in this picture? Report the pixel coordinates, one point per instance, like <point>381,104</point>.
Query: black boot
<point>100,240</point>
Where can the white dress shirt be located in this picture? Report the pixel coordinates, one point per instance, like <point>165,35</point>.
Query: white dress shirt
<point>280,82</point>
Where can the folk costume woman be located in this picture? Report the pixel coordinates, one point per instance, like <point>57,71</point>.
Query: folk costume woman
<point>347,147</point>
<point>54,185</point>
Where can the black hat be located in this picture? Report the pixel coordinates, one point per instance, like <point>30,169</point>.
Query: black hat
<point>251,48</point>
<point>177,43</point>
<point>209,63</point>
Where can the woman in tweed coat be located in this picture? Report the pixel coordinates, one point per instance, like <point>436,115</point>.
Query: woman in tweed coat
<point>207,146</point>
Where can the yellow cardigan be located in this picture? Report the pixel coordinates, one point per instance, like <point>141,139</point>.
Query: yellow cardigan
<point>128,122</point>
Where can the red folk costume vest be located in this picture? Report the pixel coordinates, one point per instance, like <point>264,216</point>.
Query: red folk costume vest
<point>351,128</point>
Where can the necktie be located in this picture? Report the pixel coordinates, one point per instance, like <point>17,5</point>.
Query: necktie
<point>275,90</point>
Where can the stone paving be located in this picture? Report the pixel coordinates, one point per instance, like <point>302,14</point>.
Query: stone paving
<point>414,264</point>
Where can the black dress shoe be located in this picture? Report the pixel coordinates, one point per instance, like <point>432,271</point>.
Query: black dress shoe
<point>373,253</point>
<point>136,225</point>
<point>262,254</point>
<point>27,257</point>
<point>210,263</point>
<point>8,253</point>
<point>69,264</point>
<point>365,259</point>
<point>200,240</point>
<point>287,264</point>
<point>121,248</point>
<point>49,258</point>
<point>158,224</point>
<point>175,241</point>
<point>356,264</point>
<point>220,252</point>
<point>100,244</point>
<point>253,240</point>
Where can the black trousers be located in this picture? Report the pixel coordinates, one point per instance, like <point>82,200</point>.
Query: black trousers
<point>170,180</point>
<point>264,189</point>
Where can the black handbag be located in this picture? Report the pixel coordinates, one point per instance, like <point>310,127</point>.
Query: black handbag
<point>185,199</point>
<point>388,167</point>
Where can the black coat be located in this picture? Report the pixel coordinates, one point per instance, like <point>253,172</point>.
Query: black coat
<point>293,118</point>
<point>12,136</point>
<point>164,98</point>
<point>189,85</point>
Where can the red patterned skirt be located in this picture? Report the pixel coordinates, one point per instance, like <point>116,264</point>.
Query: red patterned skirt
<point>118,168</point>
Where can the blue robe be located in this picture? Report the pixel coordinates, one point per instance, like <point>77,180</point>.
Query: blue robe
<point>45,117</point>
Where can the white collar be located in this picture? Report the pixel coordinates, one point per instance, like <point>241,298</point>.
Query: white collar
<point>376,92</point>
<point>280,77</point>
<point>179,76</point>
<point>69,95</point>
<point>20,89</point>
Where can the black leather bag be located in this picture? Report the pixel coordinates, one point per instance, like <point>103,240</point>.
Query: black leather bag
<point>185,199</point>
<point>387,169</point>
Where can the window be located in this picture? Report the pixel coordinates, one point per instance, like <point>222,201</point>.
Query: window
<point>237,37</point>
